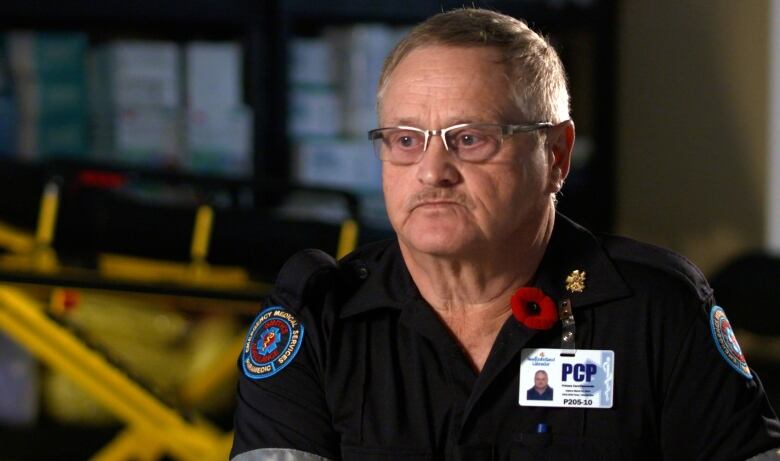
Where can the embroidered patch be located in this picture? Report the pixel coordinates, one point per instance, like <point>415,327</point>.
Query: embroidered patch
<point>273,341</point>
<point>726,342</point>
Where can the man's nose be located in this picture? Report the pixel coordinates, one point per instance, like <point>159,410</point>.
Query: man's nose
<point>438,166</point>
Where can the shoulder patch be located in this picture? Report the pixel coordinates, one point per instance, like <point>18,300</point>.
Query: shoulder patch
<point>726,342</point>
<point>274,339</point>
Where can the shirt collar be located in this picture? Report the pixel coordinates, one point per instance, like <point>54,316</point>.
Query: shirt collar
<point>388,284</point>
<point>574,248</point>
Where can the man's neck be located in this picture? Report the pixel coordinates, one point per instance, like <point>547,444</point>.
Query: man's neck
<point>485,277</point>
<point>472,294</point>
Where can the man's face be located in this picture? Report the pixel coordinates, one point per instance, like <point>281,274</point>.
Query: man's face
<point>446,207</point>
<point>540,380</point>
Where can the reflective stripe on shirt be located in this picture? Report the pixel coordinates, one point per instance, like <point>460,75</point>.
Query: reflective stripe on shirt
<point>771,455</point>
<point>277,454</point>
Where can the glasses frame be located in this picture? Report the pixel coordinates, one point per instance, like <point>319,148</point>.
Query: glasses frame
<point>506,130</point>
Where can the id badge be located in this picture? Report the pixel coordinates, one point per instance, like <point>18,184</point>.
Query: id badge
<point>582,379</point>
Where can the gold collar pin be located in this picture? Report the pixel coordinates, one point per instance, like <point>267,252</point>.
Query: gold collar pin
<point>575,282</point>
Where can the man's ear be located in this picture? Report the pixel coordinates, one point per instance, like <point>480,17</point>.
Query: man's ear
<point>560,142</point>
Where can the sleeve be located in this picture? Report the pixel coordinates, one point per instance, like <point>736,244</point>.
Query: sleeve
<point>281,412</point>
<point>714,407</point>
<point>282,408</point>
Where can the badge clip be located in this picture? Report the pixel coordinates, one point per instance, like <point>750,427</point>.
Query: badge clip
<point>568,345</point>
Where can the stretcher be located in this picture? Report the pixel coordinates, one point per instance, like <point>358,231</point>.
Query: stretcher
<point>153,427</point>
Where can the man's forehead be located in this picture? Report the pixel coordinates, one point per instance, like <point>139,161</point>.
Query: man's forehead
<point>437,68</point>
<point>454,84</point>
<point>445,52</point>
<point>448,111</point>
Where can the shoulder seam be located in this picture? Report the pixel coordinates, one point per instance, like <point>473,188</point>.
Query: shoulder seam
<point>659,258</point>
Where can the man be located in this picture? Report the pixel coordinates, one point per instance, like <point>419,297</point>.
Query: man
<point>419,348</point>
<point>540,391</point>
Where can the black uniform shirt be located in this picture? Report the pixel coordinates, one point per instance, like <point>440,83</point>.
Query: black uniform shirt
<point>379,377</point>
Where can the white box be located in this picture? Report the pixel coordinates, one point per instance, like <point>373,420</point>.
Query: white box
<point>367,45</point>
<point>312,62</point>
<point>315,112</point>
<point>219,140</point>
<point>144,73</point>
<point>147,136</point>
<point>349,165</point>
<point>214,74</point>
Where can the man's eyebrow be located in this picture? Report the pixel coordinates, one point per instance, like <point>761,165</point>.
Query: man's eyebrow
<point>407,122</point>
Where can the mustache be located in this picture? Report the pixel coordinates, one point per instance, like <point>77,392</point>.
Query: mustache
<point>438,195</point>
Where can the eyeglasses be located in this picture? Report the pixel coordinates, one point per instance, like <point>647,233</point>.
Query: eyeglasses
<point>470,142</point>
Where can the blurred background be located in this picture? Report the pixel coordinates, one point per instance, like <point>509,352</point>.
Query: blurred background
<point>160,160</point>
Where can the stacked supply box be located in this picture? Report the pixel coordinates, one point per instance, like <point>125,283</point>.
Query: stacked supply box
<point>338,163</point>
<point>7,112</point>
<point>315,100</point>
<point>49,87</point>
<point>364,49</point>
<point>333,80</point>
<point>219,125</point>
<point>136,103</point>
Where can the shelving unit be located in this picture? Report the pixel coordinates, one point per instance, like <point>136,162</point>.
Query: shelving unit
<point>582,30</point>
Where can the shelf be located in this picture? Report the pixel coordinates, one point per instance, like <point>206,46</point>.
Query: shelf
<point>85,13</point>
<point>412,11</point>
<point>266,27</point>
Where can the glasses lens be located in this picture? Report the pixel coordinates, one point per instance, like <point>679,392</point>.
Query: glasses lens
<point>475,143</point>
<point>399,145</point>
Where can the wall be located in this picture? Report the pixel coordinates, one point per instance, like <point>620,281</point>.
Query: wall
<point>691,125</point>
<point>773,164</point>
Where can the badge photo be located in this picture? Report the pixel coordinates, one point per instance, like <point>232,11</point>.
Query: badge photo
<point>274,339</point>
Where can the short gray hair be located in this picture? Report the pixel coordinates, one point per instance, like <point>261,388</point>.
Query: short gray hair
<point>535,71</point>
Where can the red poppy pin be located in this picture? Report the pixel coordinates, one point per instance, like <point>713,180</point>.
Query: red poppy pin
<point>534,309</point>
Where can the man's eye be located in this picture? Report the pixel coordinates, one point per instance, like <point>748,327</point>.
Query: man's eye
<point>405,141</point>
<point>469,139</point>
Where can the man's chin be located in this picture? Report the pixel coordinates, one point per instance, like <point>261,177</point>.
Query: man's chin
<point>442,245</point>
<point>439,237</point>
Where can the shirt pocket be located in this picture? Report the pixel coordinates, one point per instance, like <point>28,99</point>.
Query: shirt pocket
<point>349,453</point>
<point>556,447</point>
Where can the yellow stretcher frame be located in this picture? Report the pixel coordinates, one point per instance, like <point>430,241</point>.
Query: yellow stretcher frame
<point>153,428</point>
<point>159,428</point>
